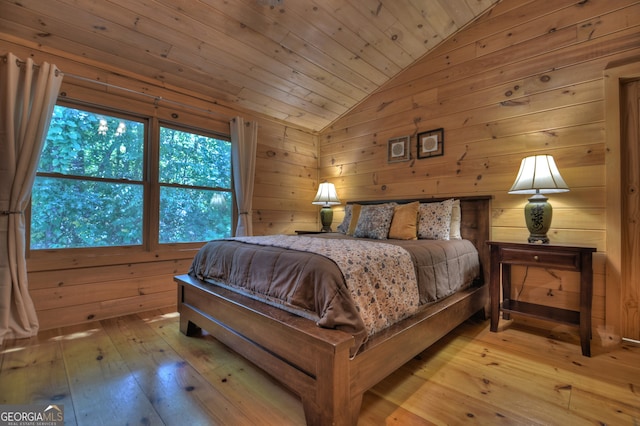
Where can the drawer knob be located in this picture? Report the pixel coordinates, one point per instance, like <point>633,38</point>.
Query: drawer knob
<point>536,258</point>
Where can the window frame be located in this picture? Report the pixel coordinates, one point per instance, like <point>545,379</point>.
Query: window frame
<point>150,183</point>
<point>159,185</point>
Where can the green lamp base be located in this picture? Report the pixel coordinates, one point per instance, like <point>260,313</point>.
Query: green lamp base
<point>537,214</point>
<point>326,217</point>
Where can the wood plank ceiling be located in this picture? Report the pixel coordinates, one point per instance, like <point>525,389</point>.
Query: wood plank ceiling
<point>304,62</point>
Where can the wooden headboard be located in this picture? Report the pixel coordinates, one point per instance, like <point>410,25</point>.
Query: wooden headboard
<point>475,225</point>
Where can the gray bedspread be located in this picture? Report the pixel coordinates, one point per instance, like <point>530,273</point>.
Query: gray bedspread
<point>313,286</point>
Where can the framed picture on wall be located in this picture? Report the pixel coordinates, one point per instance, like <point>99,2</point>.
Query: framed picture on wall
<point>398,149</point>
<point>431,143</point>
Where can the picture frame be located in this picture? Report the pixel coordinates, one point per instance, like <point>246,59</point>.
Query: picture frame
<point>398,149</point>
<point>431,143</point>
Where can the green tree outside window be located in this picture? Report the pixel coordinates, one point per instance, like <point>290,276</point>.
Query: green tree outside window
<point>91,182</point>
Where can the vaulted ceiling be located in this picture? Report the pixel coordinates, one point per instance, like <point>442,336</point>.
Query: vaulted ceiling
<point>305,62</point>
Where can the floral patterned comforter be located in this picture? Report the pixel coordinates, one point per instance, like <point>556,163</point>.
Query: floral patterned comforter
<point>360,286</point>
<point>380,277</point>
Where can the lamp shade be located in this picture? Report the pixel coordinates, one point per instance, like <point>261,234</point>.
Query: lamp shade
<point>326,195</point>
<point>538,174</point>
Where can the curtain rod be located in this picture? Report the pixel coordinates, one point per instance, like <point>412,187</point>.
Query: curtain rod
<point>20,63</point>
<point>156,99</point>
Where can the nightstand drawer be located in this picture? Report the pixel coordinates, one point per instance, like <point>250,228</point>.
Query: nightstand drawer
<point>548,258</point>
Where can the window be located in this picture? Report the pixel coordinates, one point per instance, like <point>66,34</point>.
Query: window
<point>195,187</point>
<point>89,188</point>
<point>93,184</point>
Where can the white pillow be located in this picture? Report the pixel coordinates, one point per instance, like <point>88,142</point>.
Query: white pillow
<point>456,219</point>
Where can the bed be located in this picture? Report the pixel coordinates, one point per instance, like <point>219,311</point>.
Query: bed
<point>331,368</point>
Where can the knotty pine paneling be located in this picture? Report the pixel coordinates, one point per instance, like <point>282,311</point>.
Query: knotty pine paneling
<point>286,181</point>
<point>525,79</point>
<point>75,286</point>
<point>240,51</point>
<point>46,279</point>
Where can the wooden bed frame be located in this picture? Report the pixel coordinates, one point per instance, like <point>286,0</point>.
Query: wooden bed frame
<point>314,362</point>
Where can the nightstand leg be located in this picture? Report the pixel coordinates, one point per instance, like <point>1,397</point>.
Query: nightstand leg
<point>506,287</point>
<point>494,287</point>
<point>586,295</point>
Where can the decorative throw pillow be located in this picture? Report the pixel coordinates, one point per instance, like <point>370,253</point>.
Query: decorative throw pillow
<point>344,226</point>
<point>374,221</point>
<point>456,219</point>
<point>435,220</point>
<point>404,225</point>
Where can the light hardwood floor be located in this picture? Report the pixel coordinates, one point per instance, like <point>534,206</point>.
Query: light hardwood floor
<point>139,369</point>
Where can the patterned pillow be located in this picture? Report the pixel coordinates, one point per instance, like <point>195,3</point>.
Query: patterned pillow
<point>344,226</point>
<point>435,220</point>
<point>374,221</point>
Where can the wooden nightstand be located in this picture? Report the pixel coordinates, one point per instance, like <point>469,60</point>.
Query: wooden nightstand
<point>579,259</point>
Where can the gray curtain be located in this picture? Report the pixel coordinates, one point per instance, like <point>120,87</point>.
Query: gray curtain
<point>28,93</point>
<point>244,141</point>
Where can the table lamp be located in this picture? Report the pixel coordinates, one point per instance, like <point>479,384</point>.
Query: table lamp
<point>538,175</point>
<point>326,197</point>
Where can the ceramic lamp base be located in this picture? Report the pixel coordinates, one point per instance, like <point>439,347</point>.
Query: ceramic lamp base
<point>537,214</point>
<point>326,217</point>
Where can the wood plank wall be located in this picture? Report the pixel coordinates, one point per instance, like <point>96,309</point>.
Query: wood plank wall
<point>75,286</point>
<point>527,78</point>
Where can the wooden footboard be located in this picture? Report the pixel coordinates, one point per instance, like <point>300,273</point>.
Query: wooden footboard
<point>311,361</point>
